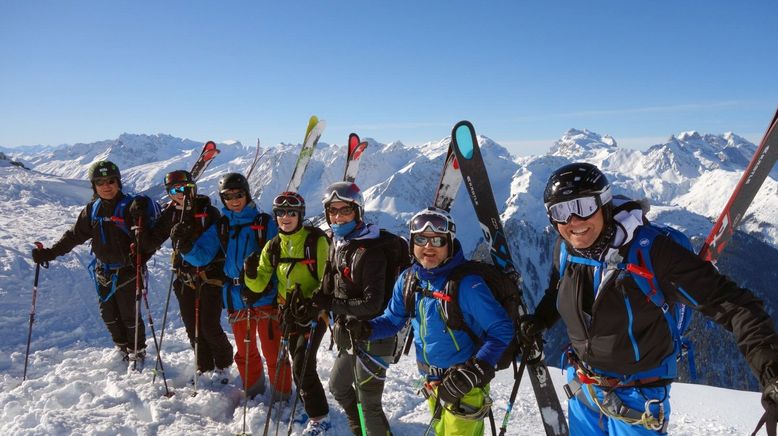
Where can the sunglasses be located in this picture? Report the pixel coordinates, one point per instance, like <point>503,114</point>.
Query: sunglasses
<point>108,181</point>
<point>436,241</point>
<point>280,213</point>
<point>342,211</point>
<point>233,196</point>
<point>181,189</point>
<point>582,207</point>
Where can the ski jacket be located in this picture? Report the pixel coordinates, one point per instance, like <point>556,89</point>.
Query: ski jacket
<point>616,331</point>
<point>437,345</point>
<point>240,243</point>
<point>202,215</point>
<point>114,250</point>
<point>359,290</point>
<point>290,274</point>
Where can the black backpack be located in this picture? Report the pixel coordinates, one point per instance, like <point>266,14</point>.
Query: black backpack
<point>504,289</point>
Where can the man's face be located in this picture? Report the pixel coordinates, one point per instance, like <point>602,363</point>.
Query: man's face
<point>581,233</point>
<point>235,200</point>
<point>424,250</point>
<point>106,187</point>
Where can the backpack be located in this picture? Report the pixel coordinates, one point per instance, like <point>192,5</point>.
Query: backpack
<point>504,289</point>
<point>153,211</point>
<point>309,250</point>
<point>638,264</point>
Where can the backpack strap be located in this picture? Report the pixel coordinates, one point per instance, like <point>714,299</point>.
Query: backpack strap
<point>117,218</point>
<point>259,226</point>
<point>309,252</point>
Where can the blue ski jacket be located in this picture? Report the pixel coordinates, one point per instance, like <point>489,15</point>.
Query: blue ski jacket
<point>436,344</point>
<point>241,242</point>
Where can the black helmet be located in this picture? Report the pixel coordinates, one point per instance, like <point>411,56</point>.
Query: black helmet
<point>347,192</point>
<point>178,177</point>
<point>576,181</point>
<point>234,181</point>
<point>104,168</point>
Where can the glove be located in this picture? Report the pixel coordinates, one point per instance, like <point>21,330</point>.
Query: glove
<point>770,404</point>
<point>251,265</point>
<point>322,300</point>
<point>43,255</point>
<point>181,235</point>
<point>530,330</point>
<point>359,330</point>
<point>304,311</point>
<point>248,296</point>
<point>461,379</point>
<point>138,209</point>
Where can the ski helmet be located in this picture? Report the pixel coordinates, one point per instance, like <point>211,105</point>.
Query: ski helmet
<point>179,178</point>
<point>234,181</point>
<point>347,192</point>
<point>434,219</point>
<point>576,181</point>
<point>103,169</point>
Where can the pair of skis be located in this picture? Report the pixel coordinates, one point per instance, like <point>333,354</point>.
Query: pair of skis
<point>464,163</point>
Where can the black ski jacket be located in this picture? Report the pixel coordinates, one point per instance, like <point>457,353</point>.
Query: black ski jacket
<point>116,249</point>
<point>598,327</point>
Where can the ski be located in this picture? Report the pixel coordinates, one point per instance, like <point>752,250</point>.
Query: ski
<point>476,179</point>
<point>745,191</point>
<point>450,180</point>
<point>255,181</point>
<point>206,156</point>
<point>312,135</point>
<point>355,150</point>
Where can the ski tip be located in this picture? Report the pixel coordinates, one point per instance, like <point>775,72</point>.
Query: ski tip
<point>463,138</point>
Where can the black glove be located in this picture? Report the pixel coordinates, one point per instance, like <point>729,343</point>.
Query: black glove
<point>248,296</point>
<point>181,235</point>
<point>530,330</point>
<point>304,311</point>
<point>359,330</point>
<point>461,379</point>
<point>322,300</point>
<point>770,404</point>
<point>43,255</point>
<point>251,265</point>
<point>138,209</point>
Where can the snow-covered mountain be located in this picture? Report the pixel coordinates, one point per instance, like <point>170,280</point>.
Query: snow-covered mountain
<point>687,179</point>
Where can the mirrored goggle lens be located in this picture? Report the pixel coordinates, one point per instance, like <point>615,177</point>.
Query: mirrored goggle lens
<point>180,189</point>
<point>436,241</point>
<point>583,207</point>
<point>176,178</point>
<point>280,213</point>
<point>287,200</point>
<point>432,223</point>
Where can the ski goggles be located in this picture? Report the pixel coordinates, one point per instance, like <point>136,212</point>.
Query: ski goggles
<point>177,178</point>
<point>287,201</point>
<point>341,211</point>
<point>431,222</point>
<point>233,196</point>
<point>280,213</point>
<point>436,241</point>
<point>180,189</point>
<point>101,181</point>
<point>582,207</point>
<point>347,193</point>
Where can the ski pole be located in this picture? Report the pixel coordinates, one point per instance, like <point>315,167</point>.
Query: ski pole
<point>32,310</point>
<point>138,290</point>
<point>246,342</point>
<point>282,358</point>
<point>197,328</point>
<point>514,391</point>
<point>306,357</point>
<point>156,344</point>
<point>173,274</point>
<point>362,424</point>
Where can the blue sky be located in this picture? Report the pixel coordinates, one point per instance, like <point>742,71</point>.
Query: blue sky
<point>524,72</point>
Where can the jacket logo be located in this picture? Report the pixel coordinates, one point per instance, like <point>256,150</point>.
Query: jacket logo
<point>644,242</point>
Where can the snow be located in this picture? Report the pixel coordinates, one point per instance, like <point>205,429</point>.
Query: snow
<point>77,385</point>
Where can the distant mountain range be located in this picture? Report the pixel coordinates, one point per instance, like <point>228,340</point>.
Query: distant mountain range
<point>687,179</point>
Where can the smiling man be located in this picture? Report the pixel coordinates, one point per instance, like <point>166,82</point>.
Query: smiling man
<point>609,266</point>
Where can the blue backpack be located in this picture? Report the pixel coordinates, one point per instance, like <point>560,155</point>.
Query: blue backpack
<point>153,211</point>
<point>638,264</point>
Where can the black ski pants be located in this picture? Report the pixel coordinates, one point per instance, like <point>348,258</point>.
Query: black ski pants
<point>118,310</point>
<point>309,385</point>
<point>371,388</point>
<point>214,349</point>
